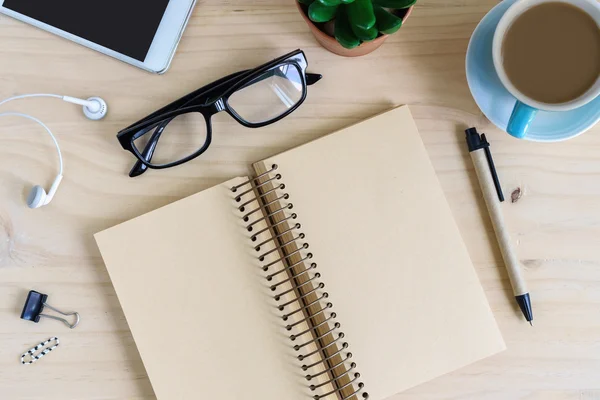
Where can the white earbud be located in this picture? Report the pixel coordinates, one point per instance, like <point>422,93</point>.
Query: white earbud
<point>94,108</point>
<point>38,196</point>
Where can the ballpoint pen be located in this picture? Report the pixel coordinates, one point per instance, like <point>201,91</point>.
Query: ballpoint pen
<point>479,148</point>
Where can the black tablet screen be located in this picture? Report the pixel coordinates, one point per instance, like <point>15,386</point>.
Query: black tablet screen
<point>125,26</point>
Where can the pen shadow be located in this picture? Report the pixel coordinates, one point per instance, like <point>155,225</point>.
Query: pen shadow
<point>488,232</point>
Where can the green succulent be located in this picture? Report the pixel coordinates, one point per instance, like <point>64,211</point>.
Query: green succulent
<point>357,21</point>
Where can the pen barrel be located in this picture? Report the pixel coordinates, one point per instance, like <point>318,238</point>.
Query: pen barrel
<point>494,208</point>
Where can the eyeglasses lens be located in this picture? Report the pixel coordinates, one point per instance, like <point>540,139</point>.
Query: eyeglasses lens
<point>174,139</point>
<point>269,95</point>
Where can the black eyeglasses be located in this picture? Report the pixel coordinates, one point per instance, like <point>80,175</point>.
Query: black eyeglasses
<point>254,98</point>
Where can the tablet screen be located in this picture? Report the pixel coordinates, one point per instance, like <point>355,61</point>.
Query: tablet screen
<point>125,26</point>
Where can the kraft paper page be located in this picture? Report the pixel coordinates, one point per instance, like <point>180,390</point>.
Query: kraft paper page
<point>390,254</point>
<point>197,302</point>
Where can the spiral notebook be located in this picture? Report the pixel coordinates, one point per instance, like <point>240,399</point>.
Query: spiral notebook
<point>337,272</point>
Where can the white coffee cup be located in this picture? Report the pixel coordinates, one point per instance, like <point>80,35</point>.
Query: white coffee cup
<point>525,107</point>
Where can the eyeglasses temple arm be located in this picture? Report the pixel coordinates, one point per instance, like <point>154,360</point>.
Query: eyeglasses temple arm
<point>311,79</point>
<point>194,97</point>
<point>138,169</point>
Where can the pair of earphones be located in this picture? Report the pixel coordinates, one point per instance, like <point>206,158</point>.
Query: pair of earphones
<point>94,109</point>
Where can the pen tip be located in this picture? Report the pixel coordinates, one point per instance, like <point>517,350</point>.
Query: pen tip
<point>531,323</point>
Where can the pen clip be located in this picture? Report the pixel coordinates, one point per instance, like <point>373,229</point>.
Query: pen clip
<point>478,142</point>
<point>490,160</point>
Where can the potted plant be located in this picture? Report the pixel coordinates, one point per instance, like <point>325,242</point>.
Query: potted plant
<point>354,27</point>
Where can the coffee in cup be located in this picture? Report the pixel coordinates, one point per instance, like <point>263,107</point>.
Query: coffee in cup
<point>547,55</point>
<point>551,52</point>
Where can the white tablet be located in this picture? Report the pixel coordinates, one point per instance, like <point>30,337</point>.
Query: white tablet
<point>144,33</point>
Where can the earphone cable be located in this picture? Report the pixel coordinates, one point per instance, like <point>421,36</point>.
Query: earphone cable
<point>26,96</point>
<point>29,117</point>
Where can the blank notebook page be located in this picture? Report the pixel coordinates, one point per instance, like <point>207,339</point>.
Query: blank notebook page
<point>390,254</point>
<point>198,307</point>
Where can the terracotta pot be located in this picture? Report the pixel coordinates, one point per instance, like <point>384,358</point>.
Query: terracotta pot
<point>333,46</point>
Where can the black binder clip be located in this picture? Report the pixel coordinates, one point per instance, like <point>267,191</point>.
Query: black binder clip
<point>34,305</point>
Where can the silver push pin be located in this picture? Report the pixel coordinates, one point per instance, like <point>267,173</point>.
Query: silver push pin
<point>35,304</point>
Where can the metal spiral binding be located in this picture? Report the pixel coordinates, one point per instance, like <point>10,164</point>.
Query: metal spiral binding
<point>318,338</point>
<point>281,246</point>
<point>254,237</point>
<point>320,286</point>
<point>267,266</point>
<point>317,301</point>
<point>284,269</point>
<point>339,389</point>
<point>251,226</point>
<point>292,277</point>
<point>246,217</point>
<point>261,258</point>
<point>314,387</point>
<point>296,226</point>
<point>340,337</point>
<point>348,356</point>
<point>326,321</point>
<point>278,296</point>
<point>344,347</point>
<point>242,207</point>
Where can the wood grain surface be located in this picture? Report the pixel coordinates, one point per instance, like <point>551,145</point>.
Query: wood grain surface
<point>555,224</point>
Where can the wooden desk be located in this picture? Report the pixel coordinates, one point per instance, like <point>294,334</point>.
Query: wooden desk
<point>556,223</point>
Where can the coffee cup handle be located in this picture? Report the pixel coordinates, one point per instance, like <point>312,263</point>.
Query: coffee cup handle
<point>521,118</point>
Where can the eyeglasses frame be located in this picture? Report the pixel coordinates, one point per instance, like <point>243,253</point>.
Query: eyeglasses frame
<point>208,100</point>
